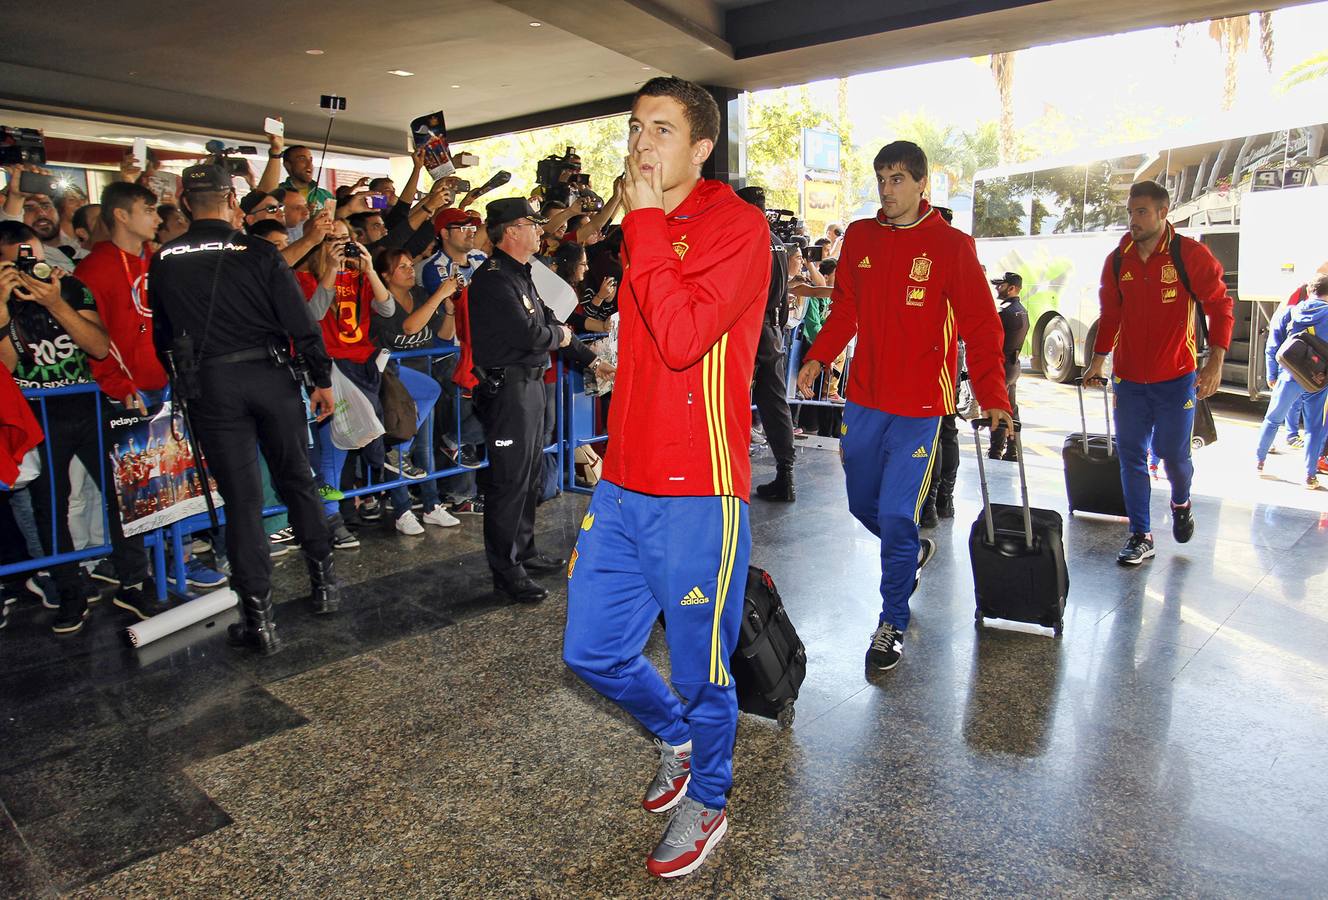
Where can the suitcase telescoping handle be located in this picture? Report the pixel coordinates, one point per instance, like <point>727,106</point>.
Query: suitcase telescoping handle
<point>1106,407</point>
<point>1023,484</point>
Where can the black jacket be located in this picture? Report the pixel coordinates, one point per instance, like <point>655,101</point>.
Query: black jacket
<point>257,301</point>
<point>1014,319</point>
<point>509,323</point>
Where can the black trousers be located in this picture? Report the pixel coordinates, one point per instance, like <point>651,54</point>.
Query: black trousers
<point>72,425</point>
<point>770,393</point>
<point>245,405</point>
<point>513,421</point>
<point>947,444</point>
<point>998,437</point>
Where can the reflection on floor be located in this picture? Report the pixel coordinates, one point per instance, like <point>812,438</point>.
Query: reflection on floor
<point>428,741</point>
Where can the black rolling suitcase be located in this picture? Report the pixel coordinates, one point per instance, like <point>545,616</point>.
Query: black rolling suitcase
<point>770,662</point>
<point>1018,558</point>
<point>1092,465</point>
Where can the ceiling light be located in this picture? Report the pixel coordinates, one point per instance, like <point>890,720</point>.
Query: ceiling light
<point>536,24</point>
<point>402,73</point>
<point>456,85</point>
<point>314,52</point>
<point>645,68</point>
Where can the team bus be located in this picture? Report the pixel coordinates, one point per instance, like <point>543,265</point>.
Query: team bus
<point>1055,224</point>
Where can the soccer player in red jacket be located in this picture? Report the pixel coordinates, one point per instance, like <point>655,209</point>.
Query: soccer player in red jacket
<point>1147,326</point>
<point>908,284</point>
<point>667,527</point>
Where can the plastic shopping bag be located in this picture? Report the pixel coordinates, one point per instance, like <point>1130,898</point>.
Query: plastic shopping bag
<point>354,423</point>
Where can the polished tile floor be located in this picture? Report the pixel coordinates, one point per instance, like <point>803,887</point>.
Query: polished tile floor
<point>428,742</point>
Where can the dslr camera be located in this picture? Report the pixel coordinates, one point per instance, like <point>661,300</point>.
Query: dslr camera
<point>29,264</point>
<point>21,147</point>
<point>229,158</point>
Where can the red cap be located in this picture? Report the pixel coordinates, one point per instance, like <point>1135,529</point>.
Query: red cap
<point>454,216</point>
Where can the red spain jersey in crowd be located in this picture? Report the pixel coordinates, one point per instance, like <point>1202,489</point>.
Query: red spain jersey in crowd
<point>346,323</point>
<point>1147,320</point>
<point>119,283</point>
<point>690,308</point>
<point>909,292</point>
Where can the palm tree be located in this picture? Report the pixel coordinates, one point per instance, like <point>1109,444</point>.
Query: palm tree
<point>1266,38</point>
<point>1233,36</point>
<point>1002,69</point>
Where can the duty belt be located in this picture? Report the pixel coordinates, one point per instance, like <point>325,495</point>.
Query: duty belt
<point>253,354</point>
<point>530,373</point>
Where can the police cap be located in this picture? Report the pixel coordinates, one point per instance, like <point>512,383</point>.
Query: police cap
<point>509,209</point>
<point>1011,278</point>
<point>205,178</point>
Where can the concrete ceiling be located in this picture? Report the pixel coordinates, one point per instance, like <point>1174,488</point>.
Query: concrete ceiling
<point>222,68</point>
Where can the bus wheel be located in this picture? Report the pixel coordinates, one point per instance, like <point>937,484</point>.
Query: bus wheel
<point>1058,351</point>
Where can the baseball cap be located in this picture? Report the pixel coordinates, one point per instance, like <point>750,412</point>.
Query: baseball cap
<point>500,212</point>
<point>453,216</point>
<point>205,178</point>
<point>1013,278</point>
<point>251,200</point>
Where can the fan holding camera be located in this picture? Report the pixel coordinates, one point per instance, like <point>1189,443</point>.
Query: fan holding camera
<point>33,197</point>
<point>49,329</point>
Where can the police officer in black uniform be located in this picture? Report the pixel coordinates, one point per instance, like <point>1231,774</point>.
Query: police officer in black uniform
<point>770,380</point>
<point>1014,319</point>
<point>512,334</point>
<point>226,312</point>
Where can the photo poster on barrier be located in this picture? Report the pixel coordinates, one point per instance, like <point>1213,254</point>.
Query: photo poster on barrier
<point>430,132</point>
<point>156,478</point>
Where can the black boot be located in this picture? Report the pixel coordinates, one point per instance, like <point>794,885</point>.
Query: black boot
<point>325,593</point>
<point>929,518</point>
<point>945,497</point>
<point>258,631</point>
<point>779,489</point>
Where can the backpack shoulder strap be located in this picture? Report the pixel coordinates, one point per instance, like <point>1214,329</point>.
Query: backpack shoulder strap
<point>1178,242</point>
<point>1178,260</point>
<point>1116,264</point>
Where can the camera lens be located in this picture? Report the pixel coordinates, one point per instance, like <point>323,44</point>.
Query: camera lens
<point>41,271</point>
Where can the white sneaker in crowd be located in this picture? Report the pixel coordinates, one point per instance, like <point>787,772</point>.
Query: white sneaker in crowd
<point>441,517</point>
<point>407,524</point>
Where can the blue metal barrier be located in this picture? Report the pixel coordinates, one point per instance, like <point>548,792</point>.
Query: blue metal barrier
<point>152,539</point>
<point>170,574</point>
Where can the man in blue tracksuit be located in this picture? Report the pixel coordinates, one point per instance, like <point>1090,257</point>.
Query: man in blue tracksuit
<point>1311,316</point>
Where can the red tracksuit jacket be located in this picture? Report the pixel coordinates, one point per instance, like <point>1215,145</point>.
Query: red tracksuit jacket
<point>119,284</point>
<point>1147,321</point>
<point>909,292</point>
<point>692,299</point>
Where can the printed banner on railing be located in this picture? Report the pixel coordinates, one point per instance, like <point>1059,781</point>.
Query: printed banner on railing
<point>156,477</point>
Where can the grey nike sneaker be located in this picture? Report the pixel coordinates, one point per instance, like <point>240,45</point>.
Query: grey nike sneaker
<point>671,778</point>
<point>693,832</point>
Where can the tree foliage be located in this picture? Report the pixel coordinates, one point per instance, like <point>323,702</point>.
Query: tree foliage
<point>775,121</point>
<point>602,144</point>
<point>1306,70</point>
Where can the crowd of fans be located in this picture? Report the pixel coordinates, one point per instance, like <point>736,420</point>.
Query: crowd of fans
<point>382,270</point>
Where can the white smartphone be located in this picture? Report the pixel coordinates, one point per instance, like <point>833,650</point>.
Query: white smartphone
<point>141,151</point>
<point>274,127</point>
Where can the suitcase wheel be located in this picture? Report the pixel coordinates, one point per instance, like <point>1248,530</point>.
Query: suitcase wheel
<point>1196,443</point>
<point>977,618</point>
<point>786,715</point>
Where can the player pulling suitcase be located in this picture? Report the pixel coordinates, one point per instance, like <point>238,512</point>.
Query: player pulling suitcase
<point>907,284</point>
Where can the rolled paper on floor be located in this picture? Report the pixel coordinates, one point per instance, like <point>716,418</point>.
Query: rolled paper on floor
<point>182,616</point>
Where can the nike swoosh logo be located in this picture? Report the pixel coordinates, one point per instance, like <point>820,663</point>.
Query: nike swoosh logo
<point>705,829</point>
